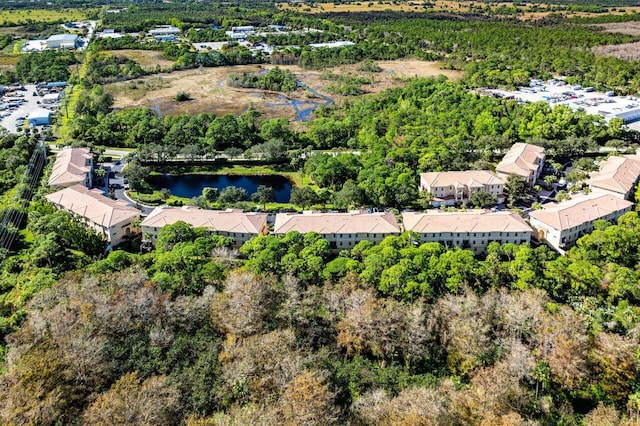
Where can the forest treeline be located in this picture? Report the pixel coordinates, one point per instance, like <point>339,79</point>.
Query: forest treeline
<point>191,334</point>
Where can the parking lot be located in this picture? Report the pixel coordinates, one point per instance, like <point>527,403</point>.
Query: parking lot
<point>17,104</point>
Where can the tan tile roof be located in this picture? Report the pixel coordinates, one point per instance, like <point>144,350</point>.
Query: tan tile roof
<point>471,178</point>
<point>617,174</point>
<point>218,220</point>
<point>521,159</point>
<point>71,167</point>
<point>579,210</point>
<point>354,222</point>
<point>93,205</point>
<point>470,221</point>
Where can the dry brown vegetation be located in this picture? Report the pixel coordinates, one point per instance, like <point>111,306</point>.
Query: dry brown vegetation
<point>627,51</point>
<point>146,58</point>
<point>524,13</point>
<point>210,92</point>
<point>630,28</point>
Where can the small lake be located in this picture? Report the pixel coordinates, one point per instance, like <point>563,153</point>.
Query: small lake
<point>191,185</point>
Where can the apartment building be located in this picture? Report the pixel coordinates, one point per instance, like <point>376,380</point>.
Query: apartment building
<point>618,175</point>
<point>342,230</point>
<point>232,223</point>
<point>472,230</point>
<point>72,166</point>
<point>524,160</point>
<point>450,188</point>
<point>563,223</point>
<point>115,220</point>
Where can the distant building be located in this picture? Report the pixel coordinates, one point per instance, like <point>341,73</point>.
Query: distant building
<point>243,29</point>
<point>168,37</point>
<point>333,44</point>
<point>62,41</point>
<point>164,30</point>
<point>472,230</point>
<point>617,175</point>
<point>228,223</point>
<point>39,117</point>
<point>449,188</point>
<point>563,223</point>
<point>342,230</point>
<point>72,166</point>
<point>523,160</point>
<point>114,220</point>
<point>51,98</point>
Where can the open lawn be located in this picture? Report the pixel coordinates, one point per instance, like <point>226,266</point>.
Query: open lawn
<point>146,58</point>
<point>210,92</point>
<point>20,17</point>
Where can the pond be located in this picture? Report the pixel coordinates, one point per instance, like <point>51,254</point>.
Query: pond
<point>191,185</point>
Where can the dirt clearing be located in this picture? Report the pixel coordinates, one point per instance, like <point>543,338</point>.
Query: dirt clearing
<point>209,91</point>
<point>146,58</point>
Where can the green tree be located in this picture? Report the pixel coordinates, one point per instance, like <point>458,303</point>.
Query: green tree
<point>264,194</point>
<point>232,194</point>
<point>516,189</point>
<point>483,199</point>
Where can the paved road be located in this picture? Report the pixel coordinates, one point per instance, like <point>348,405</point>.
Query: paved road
<point>118,181</point>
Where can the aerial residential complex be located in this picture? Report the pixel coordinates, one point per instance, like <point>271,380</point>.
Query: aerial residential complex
<point>523,160</point>
<point>449,188</point>
<point>563,223</point>
<point>115,220</point>
<point>617,175</point>
<point>342,230</point>
<point>473,230</point>
<point>232,223</point>
<point>559,224</point>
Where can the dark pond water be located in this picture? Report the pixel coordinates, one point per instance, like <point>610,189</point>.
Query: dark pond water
<point>190,186</point>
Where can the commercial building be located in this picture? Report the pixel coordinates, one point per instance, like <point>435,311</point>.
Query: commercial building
<point>51,98</point>
<point>560,225</point>
<point>617,175</point>
<point>62,41</point>
<point>342,230</point>
<point>472,230</point>
<point>524,160</point>
<point>114,220</point>
<point>72,166</point>
<point>39,117</point>
<point>449,188</point>
<point>164,30</point>
<point>228,223</point>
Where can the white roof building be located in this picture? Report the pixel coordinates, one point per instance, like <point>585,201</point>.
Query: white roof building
<point>62,41</point>
<point>562,224</point>
<point>232,223</point>
<point>473,230</point>
<point>72,166</point>
<point>342,230</point>
<point>113,219</point>
<point>161,30</point>
<point>618,175</point>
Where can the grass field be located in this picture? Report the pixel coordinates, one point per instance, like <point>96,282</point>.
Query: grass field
<point>210,93</point>
<point>19,17</point>
<point>526,12</point>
